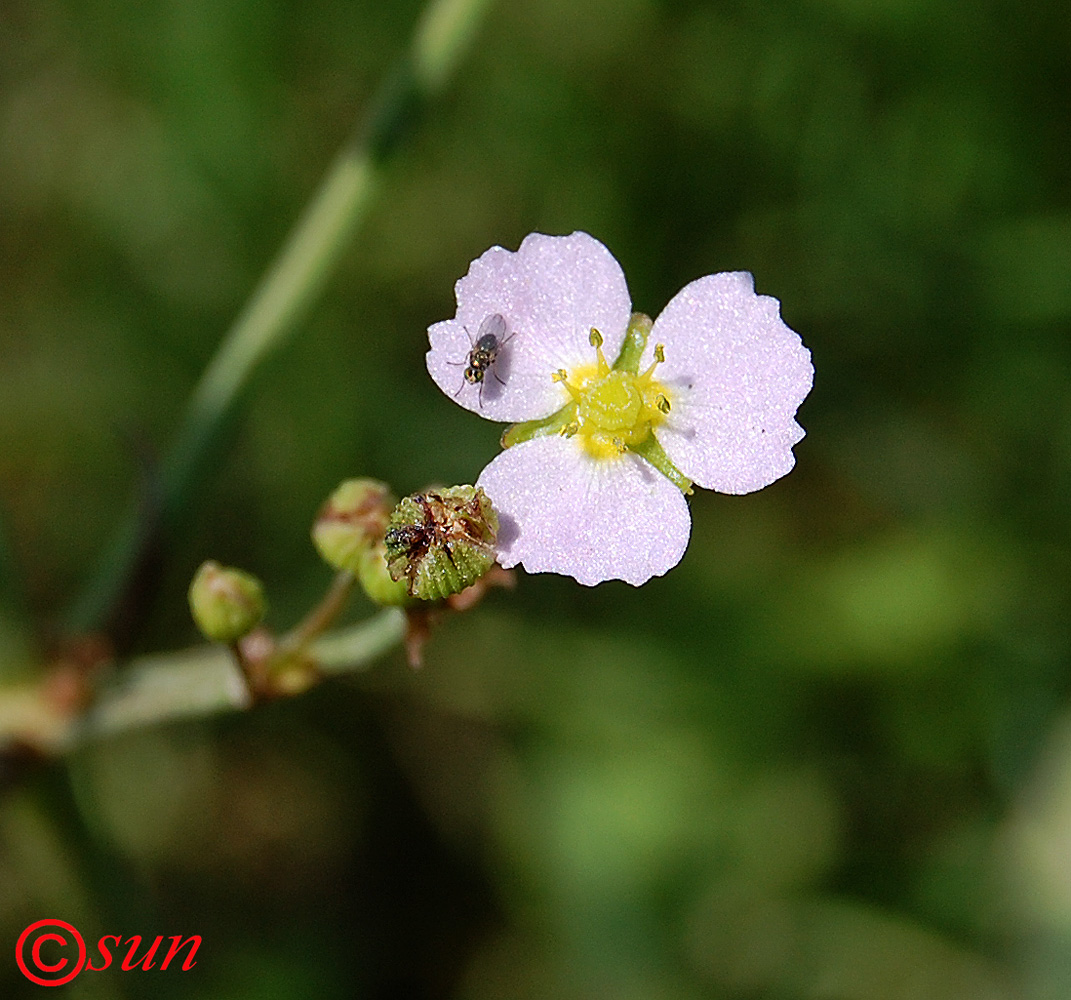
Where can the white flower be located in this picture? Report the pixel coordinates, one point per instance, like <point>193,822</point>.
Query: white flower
<point>706,395</point>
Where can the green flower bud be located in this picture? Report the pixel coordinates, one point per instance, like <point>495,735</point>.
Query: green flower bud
<point>375,579</point>
<point>226,603</point>
<point>352,520</point>
<point>441,542</point>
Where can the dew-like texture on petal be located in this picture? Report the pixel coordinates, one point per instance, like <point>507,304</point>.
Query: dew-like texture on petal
<point>736,375</point>
<point>550,292</point>
<point>560,511</point>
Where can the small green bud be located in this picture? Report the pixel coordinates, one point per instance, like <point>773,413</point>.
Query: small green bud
<point>441,542</point>
<point>375,578</point>
<point>226,603</point>
<point>352,520</point>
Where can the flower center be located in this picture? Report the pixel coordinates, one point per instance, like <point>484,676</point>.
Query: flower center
<point>613,403</point>
<point>615,409</point>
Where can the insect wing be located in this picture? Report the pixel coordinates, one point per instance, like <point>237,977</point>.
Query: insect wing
<point>493,325</point>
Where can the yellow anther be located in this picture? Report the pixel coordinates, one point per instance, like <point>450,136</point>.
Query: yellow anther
<point>659,358</point>
<point>595,339</point>
<point>562,376</point>
<point>569,429</point>
<point>662,403</point>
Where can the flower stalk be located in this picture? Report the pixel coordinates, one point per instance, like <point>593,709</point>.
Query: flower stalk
<point>164,687</point>
<point>292,282</point>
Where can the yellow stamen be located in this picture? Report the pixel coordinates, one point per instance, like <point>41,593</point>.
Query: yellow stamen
<point>659,358</point>
<point>562,376</point>
<point>595,339</point>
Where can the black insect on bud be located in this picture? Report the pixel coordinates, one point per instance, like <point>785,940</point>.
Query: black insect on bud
<point>441,541</point>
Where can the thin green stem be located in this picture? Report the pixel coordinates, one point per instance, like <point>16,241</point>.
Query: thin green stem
<point>445,32</point>
<point>193,683</point>
<point>312,626</point>
<point>294,279</point>
<point>350,650</point>
<point>242,664</point>
<point>292,282</point>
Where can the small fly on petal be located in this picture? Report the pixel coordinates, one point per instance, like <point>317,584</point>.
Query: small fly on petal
<point>490,339</point>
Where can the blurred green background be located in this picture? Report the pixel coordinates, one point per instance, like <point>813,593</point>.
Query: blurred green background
<point>828,756</point>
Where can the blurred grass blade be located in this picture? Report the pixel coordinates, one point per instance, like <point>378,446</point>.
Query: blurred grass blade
<point>291,284</point>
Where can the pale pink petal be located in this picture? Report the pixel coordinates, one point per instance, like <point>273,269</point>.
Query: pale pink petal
<point>562,511</point>
<point>550,292</point>
<point>736,375</point>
